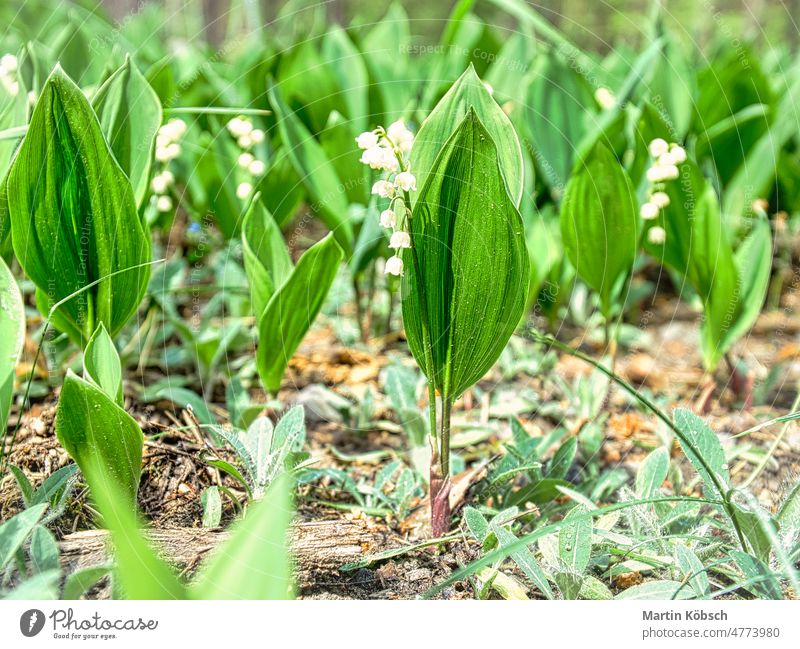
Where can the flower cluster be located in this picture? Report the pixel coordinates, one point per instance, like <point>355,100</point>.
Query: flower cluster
<point>8,74</point>
<point>666,158</point>
<point>167,149</point>
<point>246,137</point>
<point>387,150</point>
<point>168,140</point>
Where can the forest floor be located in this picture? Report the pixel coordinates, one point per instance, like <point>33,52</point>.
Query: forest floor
<point>329,532</point>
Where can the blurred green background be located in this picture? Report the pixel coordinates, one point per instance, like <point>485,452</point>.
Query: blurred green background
<point>592,24</point>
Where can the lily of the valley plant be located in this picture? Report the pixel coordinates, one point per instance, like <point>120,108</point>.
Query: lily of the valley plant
<point>460,247</point>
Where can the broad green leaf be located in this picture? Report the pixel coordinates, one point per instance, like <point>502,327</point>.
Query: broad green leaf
<point>42,586</point>
<point>281,188</point>
<point>575,540</point>
<point>466,283</point>
<point>652,473</point>
<point>755,176</point>
<point>752,526</point>
<point>212,506</point>
<point>101,364</point>
<point>293,308</point>
<point>657,589</point>
<point>700,443</point>
<point>753,262</point>
<point>337,143</point>
<point>44,551</point>
<point>305,82</point>
<point>562,459</point>
<point>557,101</point>
<point>594,589</point>
<point>266,258</point>
<point>348,68</point>
<point>315,170</point>
<point>718,282</point>
<point>476,523</point>
<point>73,215</point>
<point>692,568</point>
<point>789,513</point>
<point>130,116</point>
<point>182,398</point>
<point>391,77</point>
<point>15,530</point>
<point>253,563</point>
<point>674,85</point>
<point>141,573</point>
<point>569,583</point>
<point>524,559</point>
<point>468,94</point>
<point>764,583</point>
<point>80,581</point>
<point>507,587</point>
<point>400,385</point>
<point>599,223</point>
<point>93,428</point>
<point>12,337</point>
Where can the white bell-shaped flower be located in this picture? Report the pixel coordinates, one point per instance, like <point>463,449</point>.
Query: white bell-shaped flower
<point>400,240</point>
<point>406,181</point>
<point>388,219</point>
<point>383,188</point>
<point>367,140</point>
<point>394,266</point>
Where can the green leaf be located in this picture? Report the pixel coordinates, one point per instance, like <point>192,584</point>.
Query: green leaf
<point>73,215</point>
<point>12,337</point>
<point>765,584</point>
<point>701,443</point>
<point>599,223</point>
<point>212,506</point>
<point>266,258</point>
<point>524,559</point>
<point>692,568</point>
<point>575,540</point>
<point>752,527</point>
<point>652,473</point>
<point>315,170</point>
<point>44,551</point>
<point>101,364</point>
<point>468,292</point>
<point>16,529</point>
<point>400,384</point>
<point>753,262</point>
<point>789,514</point>
<point>468,94</point>
<point>476,523</point>
<point>93,428</point>
<point>657,589</point>
<point>292,309</point>
<point>594,589</point>
<point>254,562</point>
<point>80,581</point>
<point>393,83</point>
<point>141,573</point>
<point>348,68</point>
<point>39,587</point>
<point>130,116</point>
<point>557,101</point>
<point>563,459</point>
<point>25,487</point>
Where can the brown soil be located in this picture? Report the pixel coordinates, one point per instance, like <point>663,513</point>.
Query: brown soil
<point>668,364</point>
